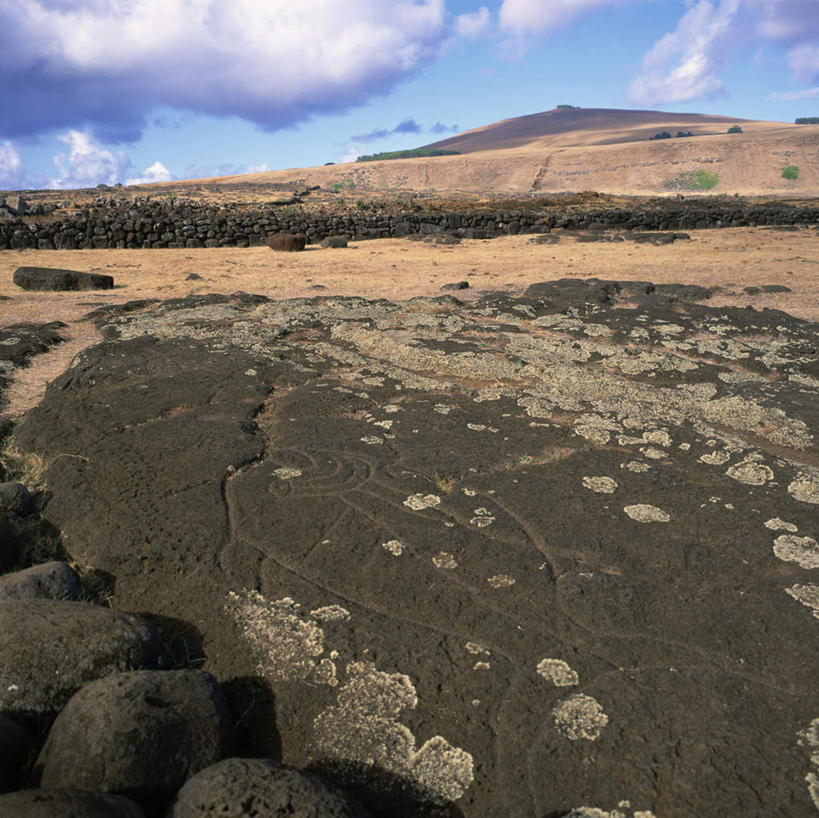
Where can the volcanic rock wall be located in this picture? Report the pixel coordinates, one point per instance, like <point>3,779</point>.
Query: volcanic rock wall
<point>155,224</point>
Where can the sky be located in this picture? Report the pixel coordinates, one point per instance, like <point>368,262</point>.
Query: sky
<point>130,91</point>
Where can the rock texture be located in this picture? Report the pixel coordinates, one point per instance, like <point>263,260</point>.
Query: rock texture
<point>286,242</point>
<point>140,734</point>
<point>518,555</point>
<point>67,804</point>
<point>238,787</point>
<point>47,278</point>
<point>49,648</point>
<point>49,580</point>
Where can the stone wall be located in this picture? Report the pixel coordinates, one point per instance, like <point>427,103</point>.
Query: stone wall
<point>155,224</point>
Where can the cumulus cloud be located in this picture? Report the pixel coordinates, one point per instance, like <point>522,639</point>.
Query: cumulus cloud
<point>524,19</point>
<point>474,25</point>
<point>107,63</point>
<point>404,127</point>
<point>683,65</point>
<point>12,172</point>
<point>87,163</point>
<point>439,128</point>
<point>155,173</point>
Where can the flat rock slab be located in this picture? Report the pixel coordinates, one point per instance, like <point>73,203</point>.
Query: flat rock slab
<point>51,278</point>
<point>522,554</point>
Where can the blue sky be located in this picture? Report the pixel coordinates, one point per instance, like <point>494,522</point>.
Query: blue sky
<point>137,90</point>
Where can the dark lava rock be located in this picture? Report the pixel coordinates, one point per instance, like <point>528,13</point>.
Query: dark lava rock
<point>15,745</point>
<point>19,343</point>
<point>15,499</point>
<point>776,288</point>
<point>10,546</point>
<point>49,648</point>
<point>50,580</point>
<point>335,241</point>
<point>193,277</point>
<point>48,278</point>
<point>519,554</point>
<point>48,803</point>
<point>140,734</point>
<point>457,285</point>
<point>751,290</point>
<point>232,787</point>
<point>287,242</point>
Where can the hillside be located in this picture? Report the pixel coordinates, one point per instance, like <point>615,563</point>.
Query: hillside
<point>575,149</point>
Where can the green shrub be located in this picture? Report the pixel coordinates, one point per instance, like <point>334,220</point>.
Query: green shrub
<point>808,120</point>
<point>408,154</point>
<point>693,180</point>
<point>790,172</point>
<point>734,129</point>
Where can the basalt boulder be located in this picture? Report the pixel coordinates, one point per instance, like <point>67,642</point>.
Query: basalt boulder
<point>287,242</point>
<point>48,278</point>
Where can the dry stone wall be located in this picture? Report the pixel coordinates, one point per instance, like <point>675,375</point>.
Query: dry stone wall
<point>198,225</point>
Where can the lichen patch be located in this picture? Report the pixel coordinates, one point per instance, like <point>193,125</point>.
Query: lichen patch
<point>558,672</point>
<point>418,502</point>
<point>776,524</point>
<point>580,717</point>
<point>805,488</point>
<point>802,550</point>
<point>395,547</point>
<point>501,581</point>
<point>287,473</point>
<point>602,485</point>
<point>364,728</point>
<point>645,513</point>
<point>750,473</point>
<point>445,560</point>
<point>808,595</point>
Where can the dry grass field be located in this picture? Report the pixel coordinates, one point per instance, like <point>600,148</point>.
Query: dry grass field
<point>398,269</point>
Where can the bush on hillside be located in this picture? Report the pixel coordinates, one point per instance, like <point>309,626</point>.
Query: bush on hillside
<point>790,172</point>
<point>408,154</point>
<point>734,129</point>
<point>693,180</point>
<point>808,120</point>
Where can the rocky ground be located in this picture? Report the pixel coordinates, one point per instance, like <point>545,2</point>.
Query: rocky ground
<point>531,555</point>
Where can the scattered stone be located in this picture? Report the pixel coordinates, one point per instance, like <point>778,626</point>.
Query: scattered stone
<point>50,648</point>
<point>15,499</point>
<point>287,242</point>
<point>142,733</point>
<point>194,277</point>
<point>335,242</point>
<point>69,803</point>
<point>47,278</point>
<point>226,789</point>
<point>50,580</point>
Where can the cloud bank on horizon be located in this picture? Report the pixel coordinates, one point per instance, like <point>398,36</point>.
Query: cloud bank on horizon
<point>95,69</point>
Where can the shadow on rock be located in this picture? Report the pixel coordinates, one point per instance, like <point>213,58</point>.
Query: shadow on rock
<point>181,642</point>
<point>253,707</point>
<point>386,794</point>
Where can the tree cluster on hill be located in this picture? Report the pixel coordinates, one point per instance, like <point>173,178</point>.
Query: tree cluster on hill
<point>408,154</point>
<point>667,135</point>
<point>734,129</point>
<point>807,120</point>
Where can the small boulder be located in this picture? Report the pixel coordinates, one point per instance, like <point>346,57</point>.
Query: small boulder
<point>287,242</point>
<point>193,277</point>
<point>335,241</point>
<point>67,804</point>
<point>15,745</point>
<point>15,499</point>
<point>221,791</point>
<point>50,580</point>
<point>456,285</point>
<point>52,278</point>
<point>50,648</point>
<point>139,734</point>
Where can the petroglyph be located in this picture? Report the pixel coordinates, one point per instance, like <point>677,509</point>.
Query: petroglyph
<point>364,728</point>
<point>802,550</point>
<point>558,672</point>
<point>580,717</point>
<point>646,513</point>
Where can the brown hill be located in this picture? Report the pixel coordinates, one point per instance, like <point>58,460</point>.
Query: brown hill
<point>598,149</point>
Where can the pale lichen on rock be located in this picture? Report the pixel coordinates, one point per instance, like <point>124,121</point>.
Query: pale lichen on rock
<point>580,717</point>
<point>646,513</point>
<point>802,550</point>
<point>602,485</point>
<point>558,672</point>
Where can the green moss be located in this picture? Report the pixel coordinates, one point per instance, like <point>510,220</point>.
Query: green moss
<point>790,172</point>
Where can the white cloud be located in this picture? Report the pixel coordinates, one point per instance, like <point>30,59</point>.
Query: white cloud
<point>11,167</point>
<point>353,152</point>
<point>474,25</point>
<point>155,173</point>
<point>526,18</point>
<point>804,61</point>
<point>87,163</point>
<point>273,62</point>
<point>808,93</point>
<point>683,65</point>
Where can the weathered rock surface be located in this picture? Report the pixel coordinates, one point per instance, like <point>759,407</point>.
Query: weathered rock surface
<point>15,499</point>
<point>49,648</point>
<point>67,804</point>
<point>15,745</point>
<point>140,734</point>
<point>19,343</point>
<point>48,278</point>
<point>286,242</point>
<point>49,580</point>
<point>335,242</point>
<point>522,554</point>
<point>238,787</point>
